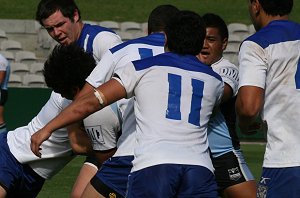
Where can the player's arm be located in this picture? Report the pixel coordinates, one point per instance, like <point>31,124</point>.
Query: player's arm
<point>80,142</point>
<point>79,109</point>
<point>249,103</point>
<point>228,93</point>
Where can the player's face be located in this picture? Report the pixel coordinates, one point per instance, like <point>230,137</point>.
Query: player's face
<point>213,46</point>
<point>253,7</point>
<point>61,28</point>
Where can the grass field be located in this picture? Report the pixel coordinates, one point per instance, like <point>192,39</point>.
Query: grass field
<point>98,10</point>
<point>60,185</point>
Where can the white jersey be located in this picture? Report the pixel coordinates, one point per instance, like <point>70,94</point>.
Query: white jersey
<point>117,57</point>
<point>56,151</point>
<point>174,99</point>
<point>269,59</point>
<point>97,40</point>
<point>223,139</point>
<point>103,127</point>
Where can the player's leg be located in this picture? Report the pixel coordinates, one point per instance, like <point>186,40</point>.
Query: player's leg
<point>2,192</point>
<point>16,179</point>
<point>3,99</point>
<point>87,172</point>
<point>279,182</point>
<point>111,179</point>
<point>91,192</point>
<point>233,176</point>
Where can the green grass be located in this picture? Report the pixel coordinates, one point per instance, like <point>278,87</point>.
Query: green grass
<point>125,10</point>
<point>61,184</point>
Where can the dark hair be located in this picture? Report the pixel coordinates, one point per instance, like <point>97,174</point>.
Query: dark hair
<point>47,7</point>
<point>67,67</point>
<point>185,33</point>
<point>160,16</point>
<point>276,7</point>
<point>215,21</point>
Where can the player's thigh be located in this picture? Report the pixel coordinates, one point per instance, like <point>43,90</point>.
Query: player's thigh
<point>2,192</point>
<point>279,182</point>
<point>245,189</point>
<point>231,169</point>
<point>91,192</point>
<point>113,175</point>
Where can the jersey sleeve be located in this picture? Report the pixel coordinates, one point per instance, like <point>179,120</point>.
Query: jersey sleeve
<point>253,65</point>
<point>103,42</point>
<point>128,77</point>
<point>103,71</point>
<point>229,74</point>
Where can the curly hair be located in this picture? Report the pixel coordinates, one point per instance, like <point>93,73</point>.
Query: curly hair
<point>66,69</point>
<point>185,33</point>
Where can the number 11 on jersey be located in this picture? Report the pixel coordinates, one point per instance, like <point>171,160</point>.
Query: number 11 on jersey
<point>174,99</point>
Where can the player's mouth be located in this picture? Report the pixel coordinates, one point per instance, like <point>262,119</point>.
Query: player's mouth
<point>204,53</point>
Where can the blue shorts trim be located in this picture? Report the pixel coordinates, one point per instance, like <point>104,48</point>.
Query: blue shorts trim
<point>114,173</point>
<point>279,182</point>
<point>172,180</point>
<point>19,180</point>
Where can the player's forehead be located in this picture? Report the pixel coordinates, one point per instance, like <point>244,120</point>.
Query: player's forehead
<point>213,32</point>
<point>54,19</point>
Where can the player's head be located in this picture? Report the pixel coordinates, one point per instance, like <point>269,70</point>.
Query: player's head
<point>216,39</point>
<point>61,18</point>
<point>66,69</point>
<point>269,7</point>
<point>159,17</point>
<point>185,33</point>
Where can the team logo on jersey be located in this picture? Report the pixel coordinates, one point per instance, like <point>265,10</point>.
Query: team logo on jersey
<point>112,195</point>
<point>262,191</point>
<point>234,174</point>
<point>95,133</point>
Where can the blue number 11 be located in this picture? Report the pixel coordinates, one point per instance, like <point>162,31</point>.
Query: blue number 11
<point>174,99</point>
<point>297,76</point>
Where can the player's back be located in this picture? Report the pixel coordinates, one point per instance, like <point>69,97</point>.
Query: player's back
<point>118,57</point>
<point>279,42</point>
<point>174,97</point>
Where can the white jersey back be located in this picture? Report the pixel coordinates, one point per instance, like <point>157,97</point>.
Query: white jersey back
<point>269,59</point>
<point>118,57</point>
<point>174,98</point>
<point>56,151</point>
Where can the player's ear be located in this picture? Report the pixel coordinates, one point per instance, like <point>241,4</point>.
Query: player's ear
<point>166,44</point>
<point>224,43</point>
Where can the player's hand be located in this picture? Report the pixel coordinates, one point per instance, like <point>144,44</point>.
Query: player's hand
<point>37,139</point>
<point>257,126</point>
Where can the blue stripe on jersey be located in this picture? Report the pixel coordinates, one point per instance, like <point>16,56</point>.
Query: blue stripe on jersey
<point>194,116</point>
<point>92,31</point>
<point>276,32</point>
<point>155,39</point>
<point>169,59</point>
<point>173,111</point>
